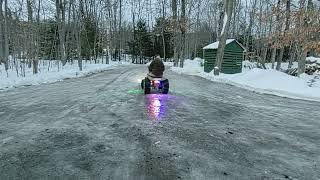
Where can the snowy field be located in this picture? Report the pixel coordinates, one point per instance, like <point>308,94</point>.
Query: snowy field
<point>49,71</point>
<point>264,81</point>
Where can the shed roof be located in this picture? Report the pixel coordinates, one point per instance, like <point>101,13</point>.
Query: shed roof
<point>216,44</point>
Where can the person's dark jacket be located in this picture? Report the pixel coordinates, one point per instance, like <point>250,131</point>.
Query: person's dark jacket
<point>157,67</point>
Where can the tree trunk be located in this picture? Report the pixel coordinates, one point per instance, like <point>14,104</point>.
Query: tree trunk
<point>31,38</point>
<point>251,23</point>
<point>274,50</point>
<point>109,23</point>
<point>279,59</point>
<point>133,59</point>
<point>234,24</point>
<point>6,37</point>
<point>175,24</point>
<point>292,53</point>
<point>163,26</point>
<point>114,25</point>
<point>223,36</point>
<point>303,52</point>
<point>78,34</point>
<point>302,62</point>
<point>264,57</point>
<point>188,38</point>
<point>60,15</point>
<point>197,30</point>
<point>238,18</point>
<point>221,16</point>
<point>265,42</point>
<point>183,31</point>
<point>258,43</point>
<point>120,38</point>
<point>1,34</point>
<point>287,25</point>
<point>273,57</point>
<point>36,59</point>
<point>69,31</point>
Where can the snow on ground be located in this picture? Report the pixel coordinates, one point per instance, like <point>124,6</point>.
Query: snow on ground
<point>313,60</point>
<point>168,63</point>
<point>165,63</point>
<point>247,65</point>
<point>264,81</point>
<point>50,72</point>
<point>191,67</point>
<point>284,65</point>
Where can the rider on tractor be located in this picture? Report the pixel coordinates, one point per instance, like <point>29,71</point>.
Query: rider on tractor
<point>156,68</point>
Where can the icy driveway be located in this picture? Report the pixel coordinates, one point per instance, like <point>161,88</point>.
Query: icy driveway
<point>99,127</point>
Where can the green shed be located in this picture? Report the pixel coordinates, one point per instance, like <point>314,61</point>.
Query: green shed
<point>232,59</point>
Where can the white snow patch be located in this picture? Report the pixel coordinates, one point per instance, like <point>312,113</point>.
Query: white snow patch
<point>262,80</point>
<point>70,70</point>
<point>168,63</point>
<point>313,60</point>
<point>191,67</point>
<point>247,65</point>
<point>216,44</point>
<point>284,65</point>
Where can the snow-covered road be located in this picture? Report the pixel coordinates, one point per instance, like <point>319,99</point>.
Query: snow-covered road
<point>102,127</point>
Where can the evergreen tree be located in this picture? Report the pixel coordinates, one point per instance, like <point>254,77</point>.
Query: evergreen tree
<point>141,45</point>
<point>88,35</point>
<point>168,35</point>
<point>48,40</point>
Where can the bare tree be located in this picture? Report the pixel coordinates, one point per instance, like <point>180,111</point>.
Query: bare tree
<point>287,25</point>
<point>79,26</point>
<point>32,49</point>
<point>183,27</point>
<point>197,28</point>
<point>304,26</point>
<point>228,7</point>
<point>120,23</point>
<point>60,16</point>
<point>2,56</point>
<point>4,37</point>
<point>263,41</point>
<point>250,26</point>
<point>163,28</point>
<point>276,40</point>
<point>175,36</point>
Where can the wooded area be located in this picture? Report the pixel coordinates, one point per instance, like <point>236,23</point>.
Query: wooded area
<point>273,31</point>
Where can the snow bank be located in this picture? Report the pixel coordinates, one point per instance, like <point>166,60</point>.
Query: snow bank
<point>313,60</point>
<point>284,65</point>
<point>247,65</point>
<point>55,73</point>
<point>264,81</point>
<point>168,63</point>
<point>192,67</point>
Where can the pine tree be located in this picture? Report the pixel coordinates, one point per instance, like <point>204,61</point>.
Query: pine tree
<point>141,45</point>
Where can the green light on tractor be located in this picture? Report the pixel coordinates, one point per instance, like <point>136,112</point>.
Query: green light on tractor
<point>136,91</point>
